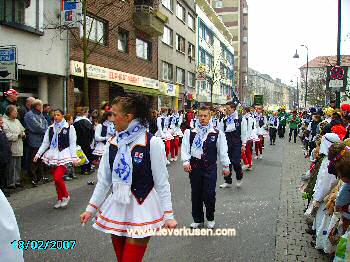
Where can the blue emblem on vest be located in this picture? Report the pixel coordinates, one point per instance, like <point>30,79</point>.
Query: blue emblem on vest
<point>212,138</point>
<point>123,169</point>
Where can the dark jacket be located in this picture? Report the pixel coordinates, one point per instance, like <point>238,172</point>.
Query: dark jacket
<point>328,128</point>
<point>3,104</point>
<point>36,125</point>
<point>5,149</point>
<point>85,133</point>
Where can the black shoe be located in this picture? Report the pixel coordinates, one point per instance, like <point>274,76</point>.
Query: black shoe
<point>91,183</point>
<point>45,180</point>
<point>34,184</point>
<point>270,144</point>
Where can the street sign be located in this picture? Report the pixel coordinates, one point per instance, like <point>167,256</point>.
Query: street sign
<point>259,100</point>
<point>71,13</point>
<point>337,77</point>
<point>8,63</point>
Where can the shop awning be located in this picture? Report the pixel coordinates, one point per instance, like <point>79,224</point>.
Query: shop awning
<point>139,89</point>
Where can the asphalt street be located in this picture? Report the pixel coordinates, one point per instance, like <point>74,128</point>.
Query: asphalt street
<point>251,210</point>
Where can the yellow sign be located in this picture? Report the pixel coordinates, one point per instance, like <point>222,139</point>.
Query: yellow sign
<point>102,73</point>
<point>168,89</point>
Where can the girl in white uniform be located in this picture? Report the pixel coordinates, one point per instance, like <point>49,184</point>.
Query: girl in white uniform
<point>175,123</point>
<point>134,165</point>
<point>164,131</point>
<point>58,150</point>
<point>104,132</point>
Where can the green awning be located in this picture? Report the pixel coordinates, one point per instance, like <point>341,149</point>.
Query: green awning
<point>140,89</point>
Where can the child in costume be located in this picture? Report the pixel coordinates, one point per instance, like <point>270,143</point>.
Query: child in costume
<point>58,150</point>
<point>134,166</point>
<point>104,131</point>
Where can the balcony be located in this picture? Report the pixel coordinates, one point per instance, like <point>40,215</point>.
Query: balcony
<point>149,21</point>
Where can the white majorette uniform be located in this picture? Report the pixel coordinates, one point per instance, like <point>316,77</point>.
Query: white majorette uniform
<point>194,122</point>
<point>215,121</point>
<point>175,123</point>
<point>261,122</point>
<point>163,128</point>
<point>254,134</point>
<point>8,232</point>
<point>247,128</point>
<point>103,133</point>
<point>65,151</point>
<point>149,194</point>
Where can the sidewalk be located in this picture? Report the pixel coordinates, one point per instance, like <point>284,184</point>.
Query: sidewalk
<point>292,242</point>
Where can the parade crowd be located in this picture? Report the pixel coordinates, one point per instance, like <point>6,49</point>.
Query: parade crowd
<point>131,146</point>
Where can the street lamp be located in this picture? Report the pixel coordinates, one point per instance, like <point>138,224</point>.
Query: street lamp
<point>297,98</point>
<point>307,69</point>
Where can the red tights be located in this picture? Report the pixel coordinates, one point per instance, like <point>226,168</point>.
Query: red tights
<point>128,252</point>
<point>61,189</point>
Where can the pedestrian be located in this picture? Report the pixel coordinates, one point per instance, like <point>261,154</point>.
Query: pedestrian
<point>199,151</point>
<point>103,132</point>
<point>57,151</point>
<point>293,122</point>
<point>15,134</point>
<point>134,163</point>
<point>36,125</point>
<point>24,110</point>
<point>70,173</point>
<point>261,123</point>
<point>10,98</point>
<point>163,131</point>
<point>247,131</point>
<point>273,126</point>
<point>282,117</point>
<point>153,122</point>
<point>5,157</point>
<point>85,136</point>
<point>47,113</point>
<point>231,126</point>
<point>175,130</point>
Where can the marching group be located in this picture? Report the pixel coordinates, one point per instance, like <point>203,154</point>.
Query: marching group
<point>325,185</point>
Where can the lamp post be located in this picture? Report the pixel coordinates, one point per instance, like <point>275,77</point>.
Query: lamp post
<point>297,95</point>
<point>307,69</point>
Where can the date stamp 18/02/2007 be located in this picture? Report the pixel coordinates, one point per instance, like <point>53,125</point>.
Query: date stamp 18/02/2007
<point>44,244</point>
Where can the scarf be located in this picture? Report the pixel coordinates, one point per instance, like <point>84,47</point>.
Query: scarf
<point>201,136</point>
<point>81,118</point>
<point>57,128</point>
<point>122,165</point>
<point>230,123</point>
<point>110,128</point>
<point>175,119</point>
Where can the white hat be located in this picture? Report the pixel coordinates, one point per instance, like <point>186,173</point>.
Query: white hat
<point>327,141</point>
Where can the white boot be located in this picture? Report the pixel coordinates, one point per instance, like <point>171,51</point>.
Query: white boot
<point>261,157</point>
<point>225,185</point>
<point>239,183</point>
<point>245,167</point>
<point>196,225</point>
<point>58,204</point>
<point>65,202</point>
<point>211,224</point>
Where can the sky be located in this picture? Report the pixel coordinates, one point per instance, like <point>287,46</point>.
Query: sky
<point>278,27</point>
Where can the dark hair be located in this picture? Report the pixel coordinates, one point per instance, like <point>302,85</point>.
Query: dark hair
<point>138,105</point>
<point>232,105</point>
<point>105,116</point>
<point>340,165</point>
<point>58,110</point>
<point>45,105</point>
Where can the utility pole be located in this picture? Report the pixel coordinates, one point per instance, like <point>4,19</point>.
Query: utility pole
<point>338,50</point>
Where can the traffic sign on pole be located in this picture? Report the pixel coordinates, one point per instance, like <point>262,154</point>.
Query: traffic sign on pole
<point>337,77</point>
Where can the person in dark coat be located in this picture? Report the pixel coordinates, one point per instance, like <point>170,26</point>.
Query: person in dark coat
<point>5,155</point>
<point>153,122</point>
<point>85,136</point>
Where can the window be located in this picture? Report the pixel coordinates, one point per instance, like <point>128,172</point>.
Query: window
<point>95,30</point>
<point>180,12</point>
<point>168,4</point>
<point>218,4</point>
<point>202,56</point>
<point>191,79</point>
<point>191,51</point>
<point>180,43</point>
<point>209,61</point>
<point>190,22</point>
<point>23,12</point>
<point>168,36</point>
<point>143,49</point>
<point>180,76</point>
<point>167,71</point>
<point>123,40</point>
<point>206,34</point>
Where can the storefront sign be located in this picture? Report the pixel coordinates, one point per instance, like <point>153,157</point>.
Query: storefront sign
<point>106,74</point>
<point>8,63</point>
<point>168,89</point>
<point>71,13</point>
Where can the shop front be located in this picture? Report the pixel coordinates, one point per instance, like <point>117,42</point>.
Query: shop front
<point>106,84</point>
<point>169,97</point>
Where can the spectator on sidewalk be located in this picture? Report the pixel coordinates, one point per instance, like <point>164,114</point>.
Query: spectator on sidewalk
<point>10,98</point>
<point>15,134</point>
<point>36,127</point>
<point>85,136</point>
<point>47,113</point>
<point>25,109</point>
<point>5,156</point>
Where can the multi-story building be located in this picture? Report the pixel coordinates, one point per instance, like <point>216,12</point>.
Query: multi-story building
<point>177,53</point>
<point>234,14</point>
<point>122,49</point>
<point>41,52</point>
<point>275,93</point>
<point>215,71</point>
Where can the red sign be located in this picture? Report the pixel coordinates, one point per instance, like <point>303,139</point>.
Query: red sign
<point>337,73</point>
